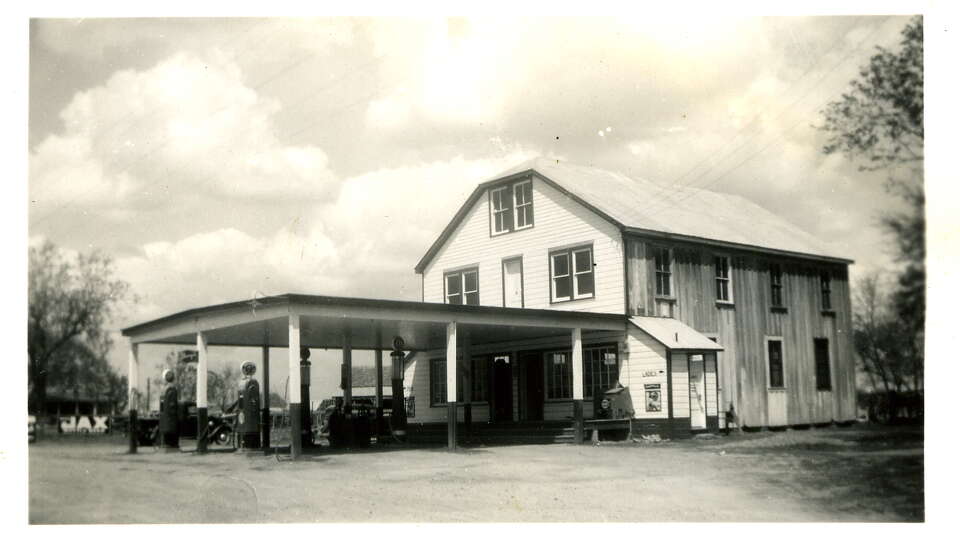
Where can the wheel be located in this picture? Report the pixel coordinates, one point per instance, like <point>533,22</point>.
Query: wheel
<point>222,437</point>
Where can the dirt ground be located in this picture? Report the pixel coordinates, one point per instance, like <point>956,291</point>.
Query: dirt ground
<point>859,473</point>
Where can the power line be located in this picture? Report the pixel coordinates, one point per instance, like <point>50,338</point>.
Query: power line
<point>677,198</point>
<point>756,117</point>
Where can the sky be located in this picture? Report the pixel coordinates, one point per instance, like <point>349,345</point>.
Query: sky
<point>218,159</point>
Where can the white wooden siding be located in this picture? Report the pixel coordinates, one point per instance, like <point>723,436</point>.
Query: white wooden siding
<point>681,385</point>
<point>558,222</point>
<point>646,363</point>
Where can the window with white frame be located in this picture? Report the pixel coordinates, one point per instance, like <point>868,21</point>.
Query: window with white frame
<point>571,274</point>
<point>722,273</point>
<point>501,209</point>
<point>775,363</point>
<point>663,274</point>
<point>511,207</point>
<point>523,205</point>
<point>462,287</point>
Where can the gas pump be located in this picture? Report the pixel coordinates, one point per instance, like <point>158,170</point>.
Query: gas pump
<point>248,416</point>
<point>169,412</point>
<point>306,421</point>
<point>398,416</point>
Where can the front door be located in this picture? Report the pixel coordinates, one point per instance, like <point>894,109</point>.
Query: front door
<point>698,393</point>
<point>502,389</point>
<point>534,386</point>
<point>513,282</point>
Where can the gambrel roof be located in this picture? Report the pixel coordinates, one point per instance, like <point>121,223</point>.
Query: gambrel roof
<point>644,207</point>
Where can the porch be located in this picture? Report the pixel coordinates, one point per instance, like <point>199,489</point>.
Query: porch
<point>408,328</point>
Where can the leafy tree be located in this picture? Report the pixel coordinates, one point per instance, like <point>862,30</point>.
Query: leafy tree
<point>276,400</point>
<point>221,386</point>
<point>880,339</point>
<point>70,302</point>
<point>879,123</point>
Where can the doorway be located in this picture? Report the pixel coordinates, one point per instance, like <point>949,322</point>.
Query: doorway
<point>502,389</point>
<point>513,282</point>
<point>533,386</point>
<point>698,393</point>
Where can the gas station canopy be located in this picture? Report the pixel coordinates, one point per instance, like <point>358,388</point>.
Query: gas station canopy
<point>369,323</point>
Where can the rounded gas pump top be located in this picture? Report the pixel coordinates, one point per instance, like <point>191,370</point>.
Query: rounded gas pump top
<point>248,368</point>
<point>168,375</point>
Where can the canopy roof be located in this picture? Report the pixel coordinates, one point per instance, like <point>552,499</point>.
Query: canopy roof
<point>371,324</point>
<point>673,334</point>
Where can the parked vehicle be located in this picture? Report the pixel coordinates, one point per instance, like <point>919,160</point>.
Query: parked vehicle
<point>219,427</point>
<point>892,407</point>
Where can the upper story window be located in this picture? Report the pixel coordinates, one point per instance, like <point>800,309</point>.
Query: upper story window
<point>776,285</point>
<point>523,205</point>
<point>724,284</point>
<point>571,274</point>
<point>825,300</point>
<point>462,287</point>
<point>661,258</point>
<point>511,207</point>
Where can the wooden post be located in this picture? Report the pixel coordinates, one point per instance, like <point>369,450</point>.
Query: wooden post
<point>133,375</point>
<point>293,366</point>
<point>577,340</point>
<point>452,386</point>
<point>378,366</point>
<point>201,392</point>
<point>265,423</point>
<point>348,371</point>
<point>467,383</point>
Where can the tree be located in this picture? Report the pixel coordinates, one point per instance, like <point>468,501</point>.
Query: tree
<point>881,342</point>
<point>221,386</point>
<point>70,302</point>
<point>879,123</point>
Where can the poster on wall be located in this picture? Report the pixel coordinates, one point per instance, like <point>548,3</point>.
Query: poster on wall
<point>411,406</point>
<point>653,394</point>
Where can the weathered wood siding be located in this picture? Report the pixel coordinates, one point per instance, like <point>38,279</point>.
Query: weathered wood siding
<point>710,375</point>
<point>558,222</point>
<point>740,327</point>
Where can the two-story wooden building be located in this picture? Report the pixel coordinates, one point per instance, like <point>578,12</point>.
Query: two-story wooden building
<point>727,306</point>
<point>554,283</point>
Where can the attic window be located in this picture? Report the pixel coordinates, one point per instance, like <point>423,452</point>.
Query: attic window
<point>511,207</point>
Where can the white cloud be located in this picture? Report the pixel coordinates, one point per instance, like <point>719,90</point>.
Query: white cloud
<point>187,127</point>
<point>366,243</point>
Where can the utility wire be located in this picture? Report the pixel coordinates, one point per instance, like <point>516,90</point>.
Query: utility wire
<point>756,117</point>
<point>693,188</point>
